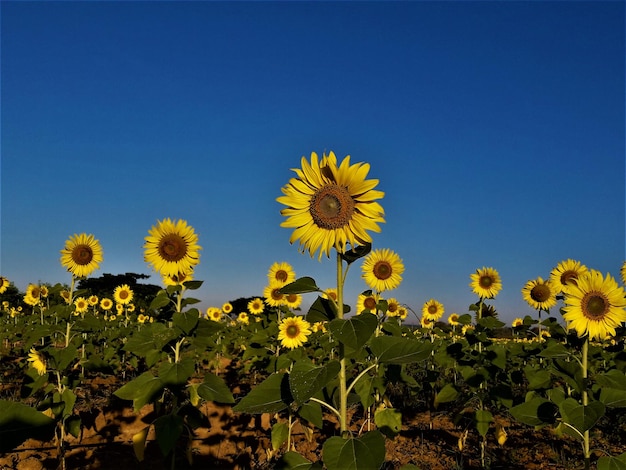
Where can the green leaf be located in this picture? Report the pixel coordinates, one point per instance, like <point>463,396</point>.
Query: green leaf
<point>535,412</point>
<point>301,285</point>
<point>555,350</point>
<point>397,350</point>
<point>490,323</point>
<point>186,321</point>
<point>151,337</point>
<point>447,394</point>
<point>581,417</point>
<point>65,356</point>
<point>19,422</point>
<point>213,388</point>
<point>177,373</point>
<point>305,380</point>
<point>270,396</point>
<point>280,432</point>
<point>611,463</point>
<point>69,398</point>
<point>293,461</point>
<point>613,397</point>
<point>364,453</point>
<point>160,301</point>
<point>72,425</point>
<point>168,430</point>
<point>538,378</point>
<point>321,310</point>
<point>356,253</point>
<point>140,390</point>
<point>496,354</point>
<point>312,412</point>
<point>611,379</point>
<point>388,421</point>
<point>192,285</point>
<point>483,420</point>
<point>354,332</point>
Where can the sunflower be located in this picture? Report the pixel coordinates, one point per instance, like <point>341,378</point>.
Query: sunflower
<point>433,310</point>
<point>367,303</point>
<point>595,306</point>
<point>227,308</point>
<point>486,283</point>
<point>330,205</point>
<point>37,360</point>
<point>93,300</point>
<point>622,271</point>
<point>540,294</point>
<point>293,301</point>
<point>273,296</point>
<point>81,304</point>
<point>453,319</point>
<point>172,248</point>
<point>403,312</point>
<point>393,307</point>
<point>66,296</point>
<point>256,306</point>
<point>427,322</point>
<point>4,284</point>
<point>293,332</point>
<point>106,304</point>
<point>82,255</point>
<point>330,294</point>
<point>178,279</point>
<point>214,313</point>
<point>141,318</point>
<point>281,272</point>
<point>318,327</point>
<point>382,270</point>
<point>517,323</point>
<point>123,294</point>
<point>566,273</point>
<point>243,318</point>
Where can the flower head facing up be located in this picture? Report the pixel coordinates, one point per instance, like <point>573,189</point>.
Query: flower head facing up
<point>37,360</point>
<point>566,273</point>
<point>123,294</point>
<point>382,270</point>
<point>172,248</point>
<point>595,306</point>
<point>82,255</point>
<point>433,310</point>
<point>281,272</point>
<point>293,332</point>
<point>331,205</point>
<point>486,283</point>
<point>540,294</point>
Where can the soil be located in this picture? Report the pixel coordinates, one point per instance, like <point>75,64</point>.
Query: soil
<point>430,441</point>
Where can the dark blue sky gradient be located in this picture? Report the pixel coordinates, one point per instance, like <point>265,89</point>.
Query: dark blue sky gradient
<point>496,130</point>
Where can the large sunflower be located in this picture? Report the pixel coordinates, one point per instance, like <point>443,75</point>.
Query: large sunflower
<point>382,270</point>
<point>293,332</point>
<point>172,248</point>
<point>82,254</point>
<point>540,294</point>
<point>330,205</point>
<point>486,283</point>
<point>432,310</point>
<point>595,306</point>
<point>566,273</point>
<point>281,272</point>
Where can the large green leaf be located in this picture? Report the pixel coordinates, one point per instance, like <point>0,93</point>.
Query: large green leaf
<point>279,435</point>
<point>364,453</point>
<point>270,396</point>
<point>354,332</point>
<point>321,310</point>
<point>613,398</point>
<point>395,350</point>
<point>535,412</point>
<point>293,461</point>
<point>388,421</point>
<point>579,416</point>
<point>19,422</point>
<point>140,390</point>
<point>302,285</point>
<point>150,338</point>
<point>612,462</point>
<point>611,379</point>
<point>177,373</point>
<point>186,321</point>
<point>483,420</point>
<point>305,379</point>
<point>312,412</point>
<point>168,429</point>
<point>213,388</point>
<point>447,394</point>
<point>555,350</point>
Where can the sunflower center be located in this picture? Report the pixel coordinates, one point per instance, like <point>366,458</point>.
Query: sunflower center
<point>123,294</point>
<point>485,282</point>
<point>569,277</point>
<point>369,303</point>
<point>382,270</point>
<point>332,207</point>
<point>540,293</point>
<point>595,305</point>
<point>392,307</point>
<point>172,247</point>
<point>432,309</point>
<point>292,331</point>
<point>276,294</point>
<point>282,275</point>
<point>82,254</point>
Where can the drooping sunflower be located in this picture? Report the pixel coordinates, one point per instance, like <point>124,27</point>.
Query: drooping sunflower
<point>293,332</point>
<point>433,310</point>
<point>172,248</point>
<point>367,303</point>
<point>82,254</point>
<point>281,272</point>
<point>256,306</point>
<point>4,284</point>
<point>330,205</point>
<point>273,296</point>
<point>540,294</point>
<point>566,273</point>
<point>123,294</point>
<point>382,270</point>
<point>37,360</point>
<point>486,283</point>
<point>595,305</point>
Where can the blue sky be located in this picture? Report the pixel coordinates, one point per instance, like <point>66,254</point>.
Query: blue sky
<point>496,130</point>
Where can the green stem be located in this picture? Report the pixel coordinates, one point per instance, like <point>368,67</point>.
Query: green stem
<point>343,392</point>
<point>585,351</point>
<point>330,407</point>
<point>358,377</point>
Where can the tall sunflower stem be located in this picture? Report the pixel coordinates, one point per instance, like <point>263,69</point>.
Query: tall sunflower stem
<point>343,390</point>
<point>585,352</point>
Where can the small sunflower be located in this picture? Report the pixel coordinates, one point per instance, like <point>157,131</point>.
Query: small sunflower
<point>81,305</point>
<point>403,312</point>
<point>540,294</point>
<point>293,301</point>
<point>331,205</point>
<point>427,322</point>
<point>566,273</point>
<point>82,255</point>
<point>595,306</point>
<point>4,284</point>
<point>243,318</point>
<point>141,318</point>
<point>66,296</point>
<point>172,248</point>
<point>453,319</point>
<point>486,283</point>
<point>367,303</point>
<point>281,272</point>
<point>273,296</point>
<point>123,294</point>
<point>37,360</point>
<point>293,332</point>
<point>93,300</point>
<point>517,323</point>
<point>330,294</point>
<point>318,327</point>
<point>119,308</point>
<point>382,270</point>
<point>214,313</point>
<point>393,307</point>
<point>256,306</point>
<point>227,308</point>
<point>106,304</point>
<point>433,310</point>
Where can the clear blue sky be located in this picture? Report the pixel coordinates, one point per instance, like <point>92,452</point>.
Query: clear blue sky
<point>496,130</point>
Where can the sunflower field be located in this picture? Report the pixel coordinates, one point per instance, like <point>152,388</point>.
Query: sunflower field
<point>259,383</point>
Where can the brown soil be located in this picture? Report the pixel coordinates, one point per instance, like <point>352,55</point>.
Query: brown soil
<point>237,441</point>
